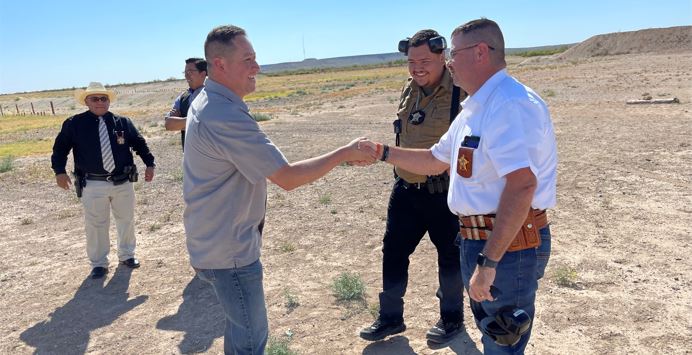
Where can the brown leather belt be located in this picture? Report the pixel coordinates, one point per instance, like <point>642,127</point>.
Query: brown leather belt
<point>480,227</point>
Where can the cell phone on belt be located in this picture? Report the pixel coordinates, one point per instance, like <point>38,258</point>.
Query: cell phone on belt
<point>471,141</point>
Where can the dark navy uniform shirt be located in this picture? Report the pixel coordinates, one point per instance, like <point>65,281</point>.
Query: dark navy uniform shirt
<point>80,133</point>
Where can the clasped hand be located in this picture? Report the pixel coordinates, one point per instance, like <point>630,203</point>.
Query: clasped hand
<point>362,152</point>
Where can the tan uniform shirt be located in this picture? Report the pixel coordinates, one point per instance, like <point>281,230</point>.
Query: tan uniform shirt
<point>436,107</point>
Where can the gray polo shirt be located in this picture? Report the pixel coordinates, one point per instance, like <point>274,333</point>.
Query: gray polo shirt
<point>226,162</point>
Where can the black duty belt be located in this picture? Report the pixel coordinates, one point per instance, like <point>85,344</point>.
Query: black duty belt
<point>433,184</point>
<point>106,177</point>
<point>407,185</point>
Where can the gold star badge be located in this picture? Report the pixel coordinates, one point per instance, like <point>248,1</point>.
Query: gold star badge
<point>463,163</point>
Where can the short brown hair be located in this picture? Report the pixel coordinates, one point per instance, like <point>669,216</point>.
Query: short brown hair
<point>220,40</point>
<point>422,37</point>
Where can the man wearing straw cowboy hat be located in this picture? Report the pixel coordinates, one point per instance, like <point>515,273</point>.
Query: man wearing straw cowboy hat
<point>102,144</point>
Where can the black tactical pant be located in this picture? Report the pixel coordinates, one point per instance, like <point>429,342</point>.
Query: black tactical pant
<point>411,213</point>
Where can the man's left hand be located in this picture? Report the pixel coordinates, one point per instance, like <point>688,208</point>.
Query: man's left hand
<point>479,286</point>
<point>149,173</point>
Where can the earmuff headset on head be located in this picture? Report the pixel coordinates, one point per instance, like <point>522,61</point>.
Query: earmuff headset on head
<point>436,44</point>
<point>506,327</point>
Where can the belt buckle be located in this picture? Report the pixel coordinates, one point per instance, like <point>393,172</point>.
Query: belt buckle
<point>109,178</point>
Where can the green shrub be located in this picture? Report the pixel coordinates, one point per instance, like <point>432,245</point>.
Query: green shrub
<point>287,247</point>
<point>291,300</point>
<point>326,198</point>
<point>6,164</point>
<point>279,346</point>
<point>548,93</point>
<point>259,117</point>
<point>349,287</point>
<point>565,276</point>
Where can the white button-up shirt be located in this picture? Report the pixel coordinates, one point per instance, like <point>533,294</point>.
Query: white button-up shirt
<point>515,132</point>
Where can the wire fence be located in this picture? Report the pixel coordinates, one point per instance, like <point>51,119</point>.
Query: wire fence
<point>48,108</point>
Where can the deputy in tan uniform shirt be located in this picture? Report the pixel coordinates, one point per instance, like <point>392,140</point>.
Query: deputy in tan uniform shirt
<point>418,204</point>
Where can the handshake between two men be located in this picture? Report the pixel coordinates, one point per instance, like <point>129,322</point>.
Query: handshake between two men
<point>364,151</point>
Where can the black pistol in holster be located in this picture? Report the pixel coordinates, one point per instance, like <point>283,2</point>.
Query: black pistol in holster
<point>437,183</point>
<point>131,172</point>
<point>79,182</point>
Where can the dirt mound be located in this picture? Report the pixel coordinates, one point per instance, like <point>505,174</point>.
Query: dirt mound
<point>671,39</point>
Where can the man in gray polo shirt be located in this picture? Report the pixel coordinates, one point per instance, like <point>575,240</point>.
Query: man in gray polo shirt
<point>227,161</point>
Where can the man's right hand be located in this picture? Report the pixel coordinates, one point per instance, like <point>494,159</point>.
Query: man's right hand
<point>356,155</point>
<point>371,148</point>
<point>63,181</point>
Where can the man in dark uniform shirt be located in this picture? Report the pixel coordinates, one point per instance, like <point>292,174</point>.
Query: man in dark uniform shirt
<point>195,74</point>
<point>418,204</point>
<point>101,145</point>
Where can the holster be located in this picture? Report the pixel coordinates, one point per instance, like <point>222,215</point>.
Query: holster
<point>79,183</point>
<point>131,172</point>
<point>527,237</point>
<point>437,183</point>
<point>480,228</point>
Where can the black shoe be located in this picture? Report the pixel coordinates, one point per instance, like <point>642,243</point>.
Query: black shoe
<point>380,330</point>
<point>132,263</point>
<point>443,331</point>
<point>98,272</point>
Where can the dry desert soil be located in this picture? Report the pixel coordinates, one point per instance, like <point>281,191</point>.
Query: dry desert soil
<point>619,278</point>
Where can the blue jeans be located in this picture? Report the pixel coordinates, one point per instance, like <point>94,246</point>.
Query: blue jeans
<point>517,278</point>
<point>241,295</point>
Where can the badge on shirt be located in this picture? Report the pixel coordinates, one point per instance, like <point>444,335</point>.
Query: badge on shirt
<point>465,162</point>
<point>417,117</point>
<point>120,137</point>
<point>465,157</point>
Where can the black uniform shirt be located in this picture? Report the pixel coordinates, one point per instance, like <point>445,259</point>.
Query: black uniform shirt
<point>80,133</point>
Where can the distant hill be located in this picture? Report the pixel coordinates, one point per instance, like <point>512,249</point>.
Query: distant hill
<point>338,62</point>
<point>368,59</point>
<point>671,39</point>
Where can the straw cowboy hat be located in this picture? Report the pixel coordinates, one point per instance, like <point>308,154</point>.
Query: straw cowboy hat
<point>94,88</point>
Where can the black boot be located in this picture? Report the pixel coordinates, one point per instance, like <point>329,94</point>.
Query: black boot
<point>444,331</point>
<point>381,329</point>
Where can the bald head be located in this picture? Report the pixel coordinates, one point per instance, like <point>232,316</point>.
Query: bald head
<point>487,31</point>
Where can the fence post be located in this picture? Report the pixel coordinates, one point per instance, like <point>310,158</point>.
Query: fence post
<point>32,108</point>
<point>1,113</point>
<point>17,107</point>
<point>52,108</point>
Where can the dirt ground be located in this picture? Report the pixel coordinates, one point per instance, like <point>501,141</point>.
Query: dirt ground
<point>619,279</point>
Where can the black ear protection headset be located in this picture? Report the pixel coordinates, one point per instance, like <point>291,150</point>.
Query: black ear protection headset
<point>506,327</point>
<point>437,44</point>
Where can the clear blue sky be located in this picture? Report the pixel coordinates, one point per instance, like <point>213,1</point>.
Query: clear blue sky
<point>49,44</point>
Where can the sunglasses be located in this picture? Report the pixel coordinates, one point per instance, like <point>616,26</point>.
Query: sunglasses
<point>98,98</point>
<point>452,54</point>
